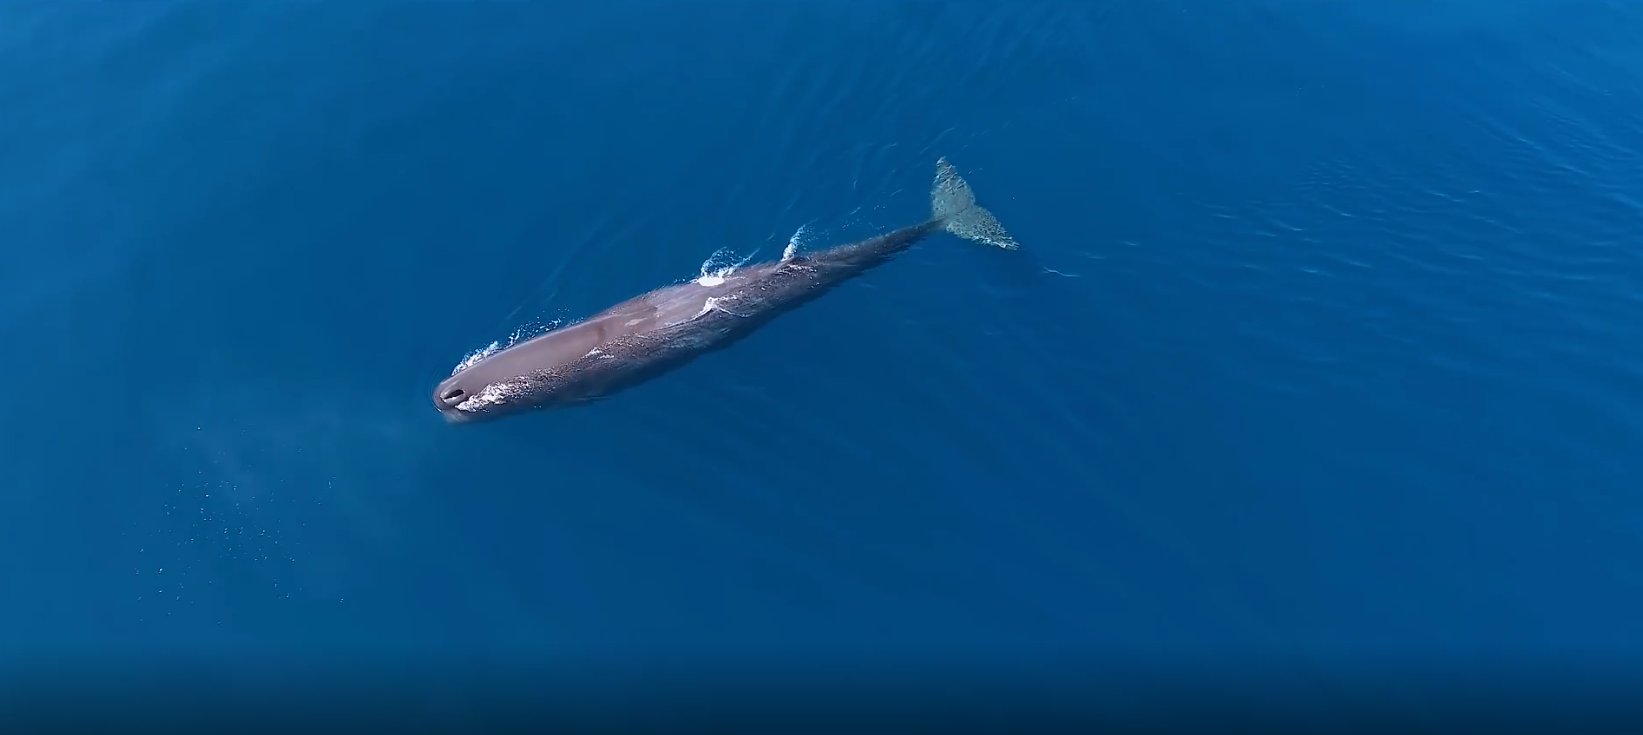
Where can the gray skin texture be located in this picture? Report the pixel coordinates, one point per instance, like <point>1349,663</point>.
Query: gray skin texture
<point>656,332</point>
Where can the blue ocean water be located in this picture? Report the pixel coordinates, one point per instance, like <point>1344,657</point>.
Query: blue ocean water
<point>1322,340</point>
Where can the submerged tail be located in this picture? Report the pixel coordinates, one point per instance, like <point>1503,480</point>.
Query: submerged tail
<point>954,205</point>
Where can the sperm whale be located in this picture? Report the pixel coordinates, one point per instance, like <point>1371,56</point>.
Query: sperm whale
<point>656,332</point>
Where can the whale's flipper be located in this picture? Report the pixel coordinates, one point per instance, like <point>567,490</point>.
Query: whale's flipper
<point>954,205</point>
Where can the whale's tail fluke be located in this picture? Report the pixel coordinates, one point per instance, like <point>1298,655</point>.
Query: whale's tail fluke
<point>954,205</point>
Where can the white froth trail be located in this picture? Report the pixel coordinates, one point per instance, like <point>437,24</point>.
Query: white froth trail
<point>713,273</point>
<point>474,357</point>
<point>794,242</point>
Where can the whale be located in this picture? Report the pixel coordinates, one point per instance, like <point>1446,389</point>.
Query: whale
<point>654,333</point>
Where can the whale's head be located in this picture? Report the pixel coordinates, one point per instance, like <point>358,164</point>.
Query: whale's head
<point>491,389</point>
<point>469,401</point>
<point>569,366</point>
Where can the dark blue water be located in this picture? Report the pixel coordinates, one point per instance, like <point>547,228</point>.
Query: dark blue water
<point>1323,339</point>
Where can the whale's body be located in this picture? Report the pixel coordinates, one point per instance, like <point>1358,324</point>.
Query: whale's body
<point>653,333</point>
